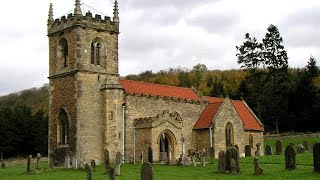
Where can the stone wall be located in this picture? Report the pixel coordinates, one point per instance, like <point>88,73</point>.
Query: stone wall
<point>227,113</point>
<point>257,138</point>
<point>145,106</point>
<point>202,139</point>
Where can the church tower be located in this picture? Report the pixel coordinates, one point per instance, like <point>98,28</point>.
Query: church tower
<point>85,98</point>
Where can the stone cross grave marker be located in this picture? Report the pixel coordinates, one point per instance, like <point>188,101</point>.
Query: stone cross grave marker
<point>88,171</point>
<point>93,165</point>
<point>106,160</point>
<point>300,149</point>
<point>29,163</point>
<point>290,158</point>
<point>268,150</point>
<point>316,157</point>
<point>247,150</point>
<point>305,145</point>
<point>150,155</point>
<point>38,160</point>
<point>147,171</point>
<point>278,147</point>
<point>257,169</point>
<point>222,162</point>
<point>118,164</point>
<point>232,160</point>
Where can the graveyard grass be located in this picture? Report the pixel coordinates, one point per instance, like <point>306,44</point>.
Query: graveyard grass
<point>273,168</point>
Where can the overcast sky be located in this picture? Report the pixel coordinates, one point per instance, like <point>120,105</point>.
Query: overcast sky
<point>158,34</point>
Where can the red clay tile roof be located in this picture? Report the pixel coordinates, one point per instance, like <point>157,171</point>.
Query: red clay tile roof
<point>213,99</point>
<point>207,115</point>
<point>140,87</point>
<point>249,121</point>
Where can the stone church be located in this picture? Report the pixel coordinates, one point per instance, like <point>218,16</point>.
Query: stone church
<point>92,109</point>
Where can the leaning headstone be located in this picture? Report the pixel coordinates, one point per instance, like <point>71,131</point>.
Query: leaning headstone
<point>38,160</point>
<point>278,147</point>
<point>111,173</point>
<point>300,149</point>
<point>106,160</point>
<point>88,171</point>
<point>3,165</point>
<point>211,152</point>
<point>222,162</point>
<point>290,158</point>
<point>147,171</point>
<point>316,157</point>
<point>257,169</point>
<point>232,156</point>
<point>247,151</point>
<point>150,155</point>
<point>93,165</point>
<point>305,145</point>
<point>268,150</point>
<point>29,163</point>
<point>118,164</point>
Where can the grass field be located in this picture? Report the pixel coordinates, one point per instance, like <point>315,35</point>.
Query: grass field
<point>273,167</point>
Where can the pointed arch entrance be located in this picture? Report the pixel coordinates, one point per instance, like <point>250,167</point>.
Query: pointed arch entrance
<point>229,135</point>
<point>167,145</point>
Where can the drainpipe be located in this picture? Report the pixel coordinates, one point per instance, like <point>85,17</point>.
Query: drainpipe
<point>134,144</point>
<point>210,136</point>
<point>123,119</point>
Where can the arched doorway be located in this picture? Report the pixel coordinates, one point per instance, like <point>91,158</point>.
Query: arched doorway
<point>229,135</point>
<point>167,142</point>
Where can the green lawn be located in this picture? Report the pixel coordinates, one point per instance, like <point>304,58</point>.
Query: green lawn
<point>273,169</point>
<point>286,142</point>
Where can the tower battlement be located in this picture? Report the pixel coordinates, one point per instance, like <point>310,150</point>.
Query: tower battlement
<point>77,19</point>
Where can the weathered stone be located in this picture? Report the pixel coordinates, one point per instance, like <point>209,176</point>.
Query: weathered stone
<point>93,165</point>
<point>233,166</point>
<point>203,161</point>
<point>106,160</point>
<point>88,171</point>
<point>258,152</point>
<point>38,160</point>
<point>232,153</point>
<point>111,173</point>
<point>300,149</point>
<point>29,164</point>
<point>150,155</point>
<point>118,158</point>
<point>147,171</point>
<point>257,169</point>
<point>305,145</point>
<point>278,147</point>
<point>247,150</point>
<point>222,162</point>
<point>193,160</point>
<point>316,157</point>
<point>290,158</point>
<point>117,171</point>
<point>268,150</point>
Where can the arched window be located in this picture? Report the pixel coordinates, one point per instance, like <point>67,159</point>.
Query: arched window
<point>229,134</point>
<point>95,53</point>
<point>62,53</point>
<point>251,140</point>
<point>63,127</point>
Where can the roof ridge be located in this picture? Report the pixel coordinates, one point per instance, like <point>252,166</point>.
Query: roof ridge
<point>157,84</point>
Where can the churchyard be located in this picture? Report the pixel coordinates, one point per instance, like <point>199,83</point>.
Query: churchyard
<point>273,167</point>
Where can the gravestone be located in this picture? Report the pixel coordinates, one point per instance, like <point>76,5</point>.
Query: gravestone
<point>93,165</point>
<point>29,163</point>
<point>300,149</point>
<point>316,157</point>
<point>203,160</point>
<point>147,171</point>
<point>233,166</point>
<point>193,160</point>
<point>118,164</point>
<point>211,152</point>
<point>3,165</point>
<point>222,162</point>
<point>278,147</point>
<point>38,160</point>
<point>257,169</point>
<point>106,160</point>
<point>232,153</point>
<point>305,145</point>
<point>141,156</point>
<point>150,155</point>
<point>88,171</point>
<point>247,151</point>
<point>268,150</point>
<point>258,152</point>
<point>111,173</point>
<point>290,158</point>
